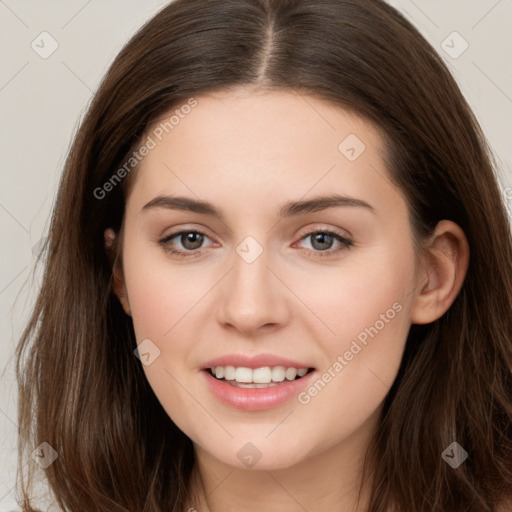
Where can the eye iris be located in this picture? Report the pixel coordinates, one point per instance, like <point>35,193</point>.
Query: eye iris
<point>322,238</point>
<point>195,239</point>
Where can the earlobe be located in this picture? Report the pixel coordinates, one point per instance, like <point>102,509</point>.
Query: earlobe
<point>117,279</point>
<point>444,265</point>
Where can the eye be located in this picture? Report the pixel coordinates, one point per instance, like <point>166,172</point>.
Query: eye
<point>187,243</point>
<point>322,242</point>
<point>190,242</point>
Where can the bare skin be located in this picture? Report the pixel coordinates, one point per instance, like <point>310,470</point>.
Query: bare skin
<point>248,152</point>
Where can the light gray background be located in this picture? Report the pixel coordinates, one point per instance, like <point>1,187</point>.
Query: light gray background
<point>42,100</point>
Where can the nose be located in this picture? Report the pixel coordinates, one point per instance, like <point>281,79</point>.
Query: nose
<point>253,300</point>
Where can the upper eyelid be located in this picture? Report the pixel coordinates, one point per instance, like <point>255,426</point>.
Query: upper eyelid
<point>342,239</point>
<point>183,231</point>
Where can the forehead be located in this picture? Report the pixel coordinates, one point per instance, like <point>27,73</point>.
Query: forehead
<point>242,143</point>
<point>271,122</point>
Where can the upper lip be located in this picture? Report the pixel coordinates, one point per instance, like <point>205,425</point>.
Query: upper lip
<point>255,361</point>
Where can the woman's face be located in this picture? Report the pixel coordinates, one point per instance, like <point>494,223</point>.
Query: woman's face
<point>303,259</point>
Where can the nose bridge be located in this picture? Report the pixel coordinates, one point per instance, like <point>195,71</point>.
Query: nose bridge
<point>252,296</point>
<point>250,277</point>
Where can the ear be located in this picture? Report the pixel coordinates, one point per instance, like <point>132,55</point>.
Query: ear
<point>443,268</point>
<point>117,280</point>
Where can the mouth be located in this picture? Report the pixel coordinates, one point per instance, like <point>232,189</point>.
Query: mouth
<point>257,378</point>
<point>256,382</point>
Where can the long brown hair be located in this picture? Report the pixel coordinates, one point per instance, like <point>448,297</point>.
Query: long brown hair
<point>82,390</point>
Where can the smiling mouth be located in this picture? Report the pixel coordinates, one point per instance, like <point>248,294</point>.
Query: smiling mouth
<point>259,377</point>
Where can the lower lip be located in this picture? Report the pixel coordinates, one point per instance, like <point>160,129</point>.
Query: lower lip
<point>256,399</point>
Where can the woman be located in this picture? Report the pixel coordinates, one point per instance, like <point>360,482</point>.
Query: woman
<point>278,276</point>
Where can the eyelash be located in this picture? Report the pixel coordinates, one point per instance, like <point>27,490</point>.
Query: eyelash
<point>346,244</point>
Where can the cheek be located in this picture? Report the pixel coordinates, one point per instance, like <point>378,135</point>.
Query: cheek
<point>161,299</point>
<point>361,296</point>
<point>160,293</point>
<point>367,306</point>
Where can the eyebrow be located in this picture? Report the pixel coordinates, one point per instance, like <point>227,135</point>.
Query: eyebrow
<point>288,209</point>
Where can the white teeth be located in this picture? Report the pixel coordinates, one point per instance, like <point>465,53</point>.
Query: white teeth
<point>264,375</point>
<point>243,374</point>
<point>240,385</point>
<point>291,373</point>
<point>278,373</point>
<point>229,372</point>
